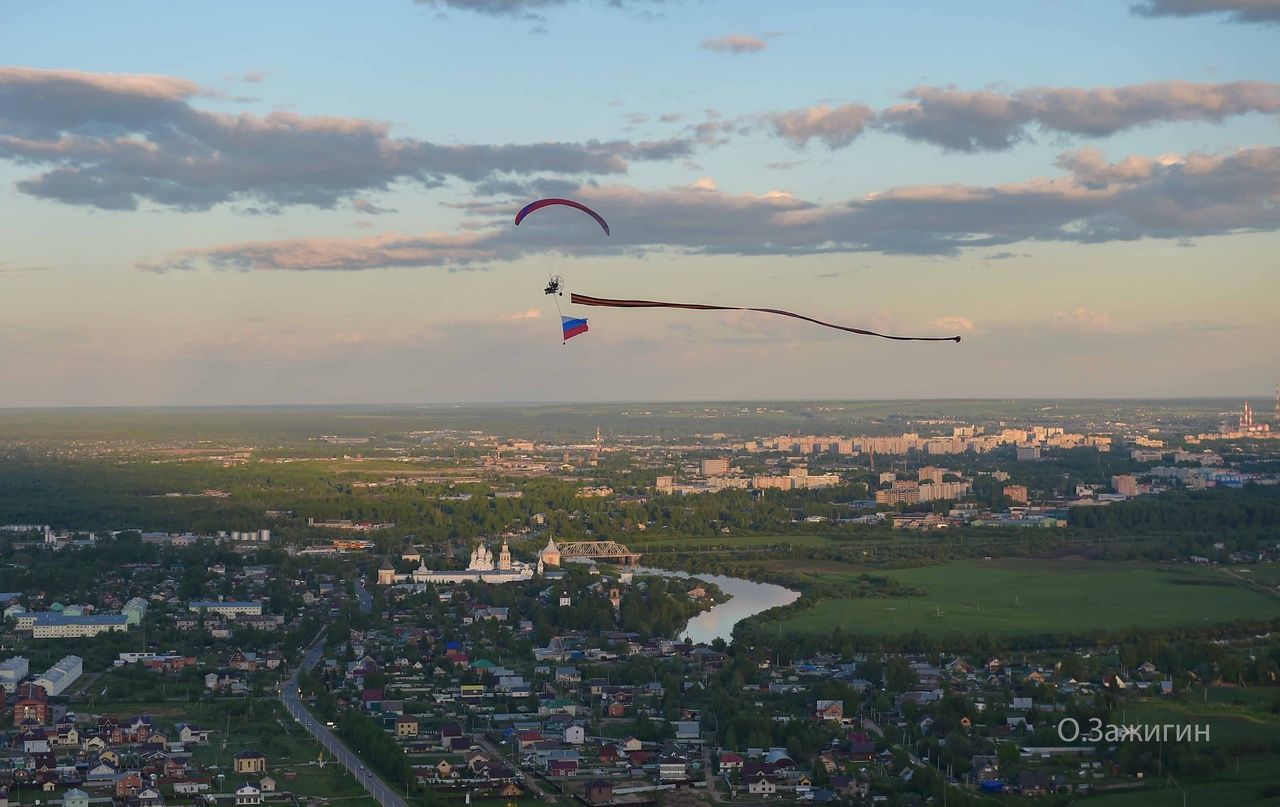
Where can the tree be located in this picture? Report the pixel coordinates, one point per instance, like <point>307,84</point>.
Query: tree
<point>899,677</point>
<point>1009,756</point>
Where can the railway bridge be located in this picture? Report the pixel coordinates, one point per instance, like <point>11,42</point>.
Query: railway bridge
<point>611,551</point>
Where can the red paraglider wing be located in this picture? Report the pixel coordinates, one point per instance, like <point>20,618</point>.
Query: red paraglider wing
<point>541,203</point>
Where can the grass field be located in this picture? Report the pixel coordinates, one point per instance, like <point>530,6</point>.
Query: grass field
<point>1038,596</point>
<point>727,544</point>
<point>292,749</point>
<point>1242,789</point>
<point>1239,718</point>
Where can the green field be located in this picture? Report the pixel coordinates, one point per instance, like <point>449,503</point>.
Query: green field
<point>1038,596</point>
<point>728,544</point>
<point>1229,726</point>
<point>1228,787</point>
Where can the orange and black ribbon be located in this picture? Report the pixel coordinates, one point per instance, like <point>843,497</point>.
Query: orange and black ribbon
<point>584,299</point>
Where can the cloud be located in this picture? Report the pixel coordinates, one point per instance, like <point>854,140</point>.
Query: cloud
<point>19,270</point>
<point>522,9</point>
<point>835,126</point>
<point>114,141</point>
<point>1093,201</point>
<point>952,324</point>
<point>532,313</point>
<point>1083,320</point>
<point>1263,11</point>
<point>1004,256</point>
<point>320,254</point>
<point>735,44</point>
<point>363,205</point>
<point>996,120</point>
<point>989,120</point>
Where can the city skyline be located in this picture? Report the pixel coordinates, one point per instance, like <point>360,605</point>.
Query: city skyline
<point>318,209</point>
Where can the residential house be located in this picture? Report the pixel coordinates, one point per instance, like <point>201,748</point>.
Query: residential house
<point>830,710</point>
<point>688,730</point>
<point>128,784</point>
<point>762,785</point>
<point>247,794</point>
<point>191,734</point>
<point>244,662</point>
<point>102,772</point>
<point>1033,783</point>
<point>599,791</point>
<point>673,765</point>
<point>190,787</point>
<point>251,762</point>
<point>148,797</point>
<point>31,706</point>
<point>861,747</point>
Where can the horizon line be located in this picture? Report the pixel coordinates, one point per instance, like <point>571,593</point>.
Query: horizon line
<point>622,402</point>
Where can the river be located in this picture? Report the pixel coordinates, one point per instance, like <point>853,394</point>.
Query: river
<point>748,598</point>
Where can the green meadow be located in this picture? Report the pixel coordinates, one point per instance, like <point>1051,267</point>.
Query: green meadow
<point>1022,596</point>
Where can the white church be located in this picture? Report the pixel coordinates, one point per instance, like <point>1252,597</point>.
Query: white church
<point>482,568</point>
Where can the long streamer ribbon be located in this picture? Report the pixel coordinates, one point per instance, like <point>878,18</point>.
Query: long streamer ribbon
<point>584,299</point>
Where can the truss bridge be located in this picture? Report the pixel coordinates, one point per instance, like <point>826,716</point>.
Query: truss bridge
<point>610,551</point>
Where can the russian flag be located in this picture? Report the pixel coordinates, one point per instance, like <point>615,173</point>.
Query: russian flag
<point>572,326</point>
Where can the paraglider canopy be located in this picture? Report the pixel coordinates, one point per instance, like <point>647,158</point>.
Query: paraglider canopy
<point>541,203</point>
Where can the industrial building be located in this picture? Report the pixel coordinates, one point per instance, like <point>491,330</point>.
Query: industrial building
<point>227,608</point>
<point>12,671</point>
<point>61,675</point>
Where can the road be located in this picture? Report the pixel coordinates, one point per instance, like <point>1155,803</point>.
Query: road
<point>707,767</point>
<point>366,599</point>
<point>289,695</point>
<point>530,780</point>
<point>870,725</point>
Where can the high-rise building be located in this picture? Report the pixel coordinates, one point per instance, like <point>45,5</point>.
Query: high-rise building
<point>715,467</point>
<point>942,491</point>
<point>1017,493</point>
<point>931,474</point>
<point>902,492</point>
<point>1125,484</point>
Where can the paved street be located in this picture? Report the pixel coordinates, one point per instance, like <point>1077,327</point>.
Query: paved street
<point>871,726</point>
<point>366,599</point>
<point>530,781</point>
<point>334,747</point>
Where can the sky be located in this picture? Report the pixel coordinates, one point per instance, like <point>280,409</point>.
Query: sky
<point>311,202</point>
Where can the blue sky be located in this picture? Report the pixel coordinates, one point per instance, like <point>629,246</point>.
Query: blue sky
<point>1110,230</point>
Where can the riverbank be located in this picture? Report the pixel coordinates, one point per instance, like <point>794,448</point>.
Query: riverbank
<point>747,598</point>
